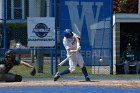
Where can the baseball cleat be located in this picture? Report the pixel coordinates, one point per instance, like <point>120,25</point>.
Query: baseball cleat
<point>57,76</point>
<point>87,79</point>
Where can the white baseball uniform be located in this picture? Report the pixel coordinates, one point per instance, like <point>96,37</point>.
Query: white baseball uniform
<point>76,58</point>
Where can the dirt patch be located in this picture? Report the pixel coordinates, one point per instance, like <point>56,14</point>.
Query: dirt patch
<point>108,83</point>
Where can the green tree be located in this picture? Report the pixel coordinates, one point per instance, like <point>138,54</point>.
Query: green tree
<point>125,6</point>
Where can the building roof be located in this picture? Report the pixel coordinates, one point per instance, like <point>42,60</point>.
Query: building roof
<point>123,17</point>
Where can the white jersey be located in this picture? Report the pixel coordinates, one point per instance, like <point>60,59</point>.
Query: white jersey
<point>71,44</point>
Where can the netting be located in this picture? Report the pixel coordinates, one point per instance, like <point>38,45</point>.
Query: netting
<point>15,29</point>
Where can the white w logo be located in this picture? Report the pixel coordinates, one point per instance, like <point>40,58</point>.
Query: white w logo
<point>80,11</point>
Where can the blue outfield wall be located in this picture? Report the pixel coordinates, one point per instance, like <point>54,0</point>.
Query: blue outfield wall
<point>92,21</point>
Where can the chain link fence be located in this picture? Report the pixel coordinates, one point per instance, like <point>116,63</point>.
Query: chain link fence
<point>16,14</point>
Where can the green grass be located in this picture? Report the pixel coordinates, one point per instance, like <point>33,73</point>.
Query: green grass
<point>24,71</point>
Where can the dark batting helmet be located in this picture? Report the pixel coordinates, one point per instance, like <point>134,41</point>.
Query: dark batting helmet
<point>10,53</point>
<point>68,33</point>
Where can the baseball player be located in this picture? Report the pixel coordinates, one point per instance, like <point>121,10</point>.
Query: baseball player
<point>7,63</point>
<point>71,43</point>
<point>129,57</point>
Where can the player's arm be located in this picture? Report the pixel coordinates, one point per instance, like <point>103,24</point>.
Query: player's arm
<point>78,45</point>
<point>65,43</point>
<point>33,70</point>
<point>26,64</point>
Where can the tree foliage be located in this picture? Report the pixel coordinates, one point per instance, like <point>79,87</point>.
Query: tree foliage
<point>125,6</point>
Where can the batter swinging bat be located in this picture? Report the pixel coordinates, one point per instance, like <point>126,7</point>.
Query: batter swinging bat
<point>66,59</point>
<point>62,62</point>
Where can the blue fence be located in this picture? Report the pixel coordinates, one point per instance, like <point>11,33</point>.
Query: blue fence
<point>14,27</point>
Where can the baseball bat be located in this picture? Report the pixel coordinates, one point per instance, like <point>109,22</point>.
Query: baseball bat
<point>77,29</point>
<point>63,61</point>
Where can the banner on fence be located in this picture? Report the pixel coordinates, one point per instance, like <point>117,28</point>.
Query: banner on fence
<point>41,31</point>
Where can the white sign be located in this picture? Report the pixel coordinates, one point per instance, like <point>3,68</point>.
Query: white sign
<point>41,31</point>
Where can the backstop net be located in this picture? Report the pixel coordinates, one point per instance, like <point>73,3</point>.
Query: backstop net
<point>34,29</point>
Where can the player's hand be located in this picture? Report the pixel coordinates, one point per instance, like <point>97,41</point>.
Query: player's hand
<point>73,51</point>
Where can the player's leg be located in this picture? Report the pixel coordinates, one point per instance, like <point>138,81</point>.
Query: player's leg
<point>126,67</point>
<point>58,74</point>
<point>9,77</point>
<point>137,67</point>
<point>1,77</point>
<point>72,67</point>
<point>2,71</point>
<point>83,68</point>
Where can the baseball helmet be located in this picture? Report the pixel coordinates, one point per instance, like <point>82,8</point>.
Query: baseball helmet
<point>68,33</point>
<point>10,53</point>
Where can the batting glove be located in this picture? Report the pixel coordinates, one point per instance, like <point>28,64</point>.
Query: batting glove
<point>73,51</point>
